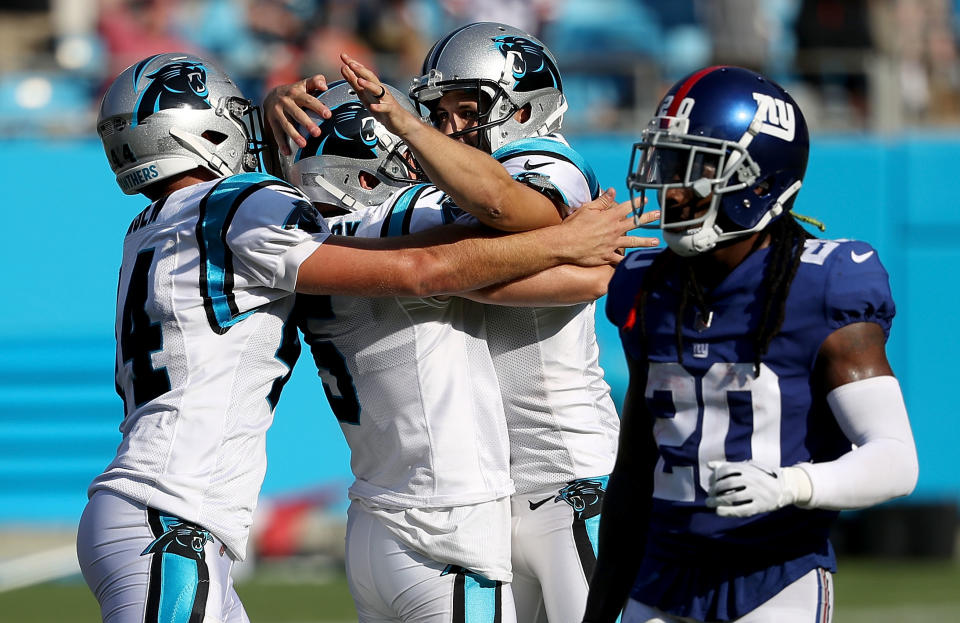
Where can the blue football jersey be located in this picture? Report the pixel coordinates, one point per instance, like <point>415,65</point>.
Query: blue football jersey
<point>715,407</point>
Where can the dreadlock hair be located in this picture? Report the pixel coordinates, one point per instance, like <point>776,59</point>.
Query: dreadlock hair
<point>787,237</point>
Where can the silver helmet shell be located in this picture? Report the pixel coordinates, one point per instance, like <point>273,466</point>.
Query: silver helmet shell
<point>355,162</point>
<point>508,67</point>
<point>174,112</point>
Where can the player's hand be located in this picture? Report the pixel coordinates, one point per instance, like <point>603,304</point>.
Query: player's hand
<point>646,217</point>
<point>598,230</point>
<point>376,97</point>
<point>284,107</point>
<point>748,488</point>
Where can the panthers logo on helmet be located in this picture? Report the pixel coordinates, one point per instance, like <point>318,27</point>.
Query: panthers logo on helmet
<point>348,132</point>
<point>175,85</point>
<point>585,496</point>
<point>532,69</point>
<point>182,539</point>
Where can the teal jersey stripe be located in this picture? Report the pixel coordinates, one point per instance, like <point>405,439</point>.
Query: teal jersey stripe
<point>397,223</point>
<point>217,210</point>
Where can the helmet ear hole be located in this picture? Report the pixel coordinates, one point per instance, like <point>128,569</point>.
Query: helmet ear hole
<point>524,113</point>
<point>763,187</point>
<point>214,137</point>
<point>367,180</point>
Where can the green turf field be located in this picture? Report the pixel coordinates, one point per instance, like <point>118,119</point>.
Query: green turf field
<point>868,591</point>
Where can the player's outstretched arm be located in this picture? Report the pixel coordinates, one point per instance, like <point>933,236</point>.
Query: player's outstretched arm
<point>593,236</point>
<point>284,107</point>
<point>626,507</point>
<point>866,401</point>
<point>561,285</point>
<point>476,182</point>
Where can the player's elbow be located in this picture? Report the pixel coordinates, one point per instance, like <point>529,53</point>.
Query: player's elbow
<point>896,468</point>
<point>598,286</point>
<point>592,282</point>
<point>910,469</point>
<point>428,274</point>
<point>900,465</point>
<point>489,206</point>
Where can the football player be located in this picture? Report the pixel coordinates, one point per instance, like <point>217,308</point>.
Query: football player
<point>761,401</point>
<point>498,88</point>
<point>411,381</point>
<point>204,345</point>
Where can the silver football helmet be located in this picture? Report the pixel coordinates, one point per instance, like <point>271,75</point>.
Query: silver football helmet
<point>175,112</point>
<point>355,162</point>
<point>508,67</point>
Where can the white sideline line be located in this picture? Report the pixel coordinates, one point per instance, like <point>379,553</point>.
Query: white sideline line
<point>44,566</point>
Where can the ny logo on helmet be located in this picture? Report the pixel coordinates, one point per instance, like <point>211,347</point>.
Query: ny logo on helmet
<point>175,85</point>
<point>350,131</point>
<point>531,67</point>
<point>777,116</point>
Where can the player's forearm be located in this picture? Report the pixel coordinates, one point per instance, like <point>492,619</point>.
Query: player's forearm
<point>561,285</point>
<point>477,262</point>
<point>872,414</point>
<point>477,183</point>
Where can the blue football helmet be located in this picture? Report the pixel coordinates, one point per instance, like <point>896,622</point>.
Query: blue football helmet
<point>733,138</point>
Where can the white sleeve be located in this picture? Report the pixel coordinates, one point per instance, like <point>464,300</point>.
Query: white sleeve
<point>272,233</point>
<point>883,464</point>
<point>553,176</point>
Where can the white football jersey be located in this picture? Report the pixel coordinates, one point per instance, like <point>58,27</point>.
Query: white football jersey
<point>562,422</point>
<point>204,346</point>
<point>410,380</point>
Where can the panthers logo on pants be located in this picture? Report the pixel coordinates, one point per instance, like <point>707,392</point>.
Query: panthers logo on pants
<point>179,575</point>
<point>175,85</point>
<point>585,496</point>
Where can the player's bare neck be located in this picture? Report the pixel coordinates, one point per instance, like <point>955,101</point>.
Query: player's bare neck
<point>175,183</point>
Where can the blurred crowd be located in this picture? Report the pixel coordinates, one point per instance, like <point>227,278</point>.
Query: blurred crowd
<point>879,65</point>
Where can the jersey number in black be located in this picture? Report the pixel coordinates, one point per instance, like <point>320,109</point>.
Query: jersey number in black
<point>332,368</point>
<point>139,336</point>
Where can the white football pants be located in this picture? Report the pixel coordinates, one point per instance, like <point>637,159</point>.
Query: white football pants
<point>554,550</point>
<point>147,567</point>
<point>392,582</point>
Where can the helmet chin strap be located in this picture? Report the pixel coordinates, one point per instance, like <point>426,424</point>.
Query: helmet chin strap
<point>346,201</point>
<point>554,117</point>
<point>710,234</point>
<point>194,144</point>
<point>702,240</point>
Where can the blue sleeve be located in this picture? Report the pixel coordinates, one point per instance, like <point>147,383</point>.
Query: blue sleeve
<point>858,288</point>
